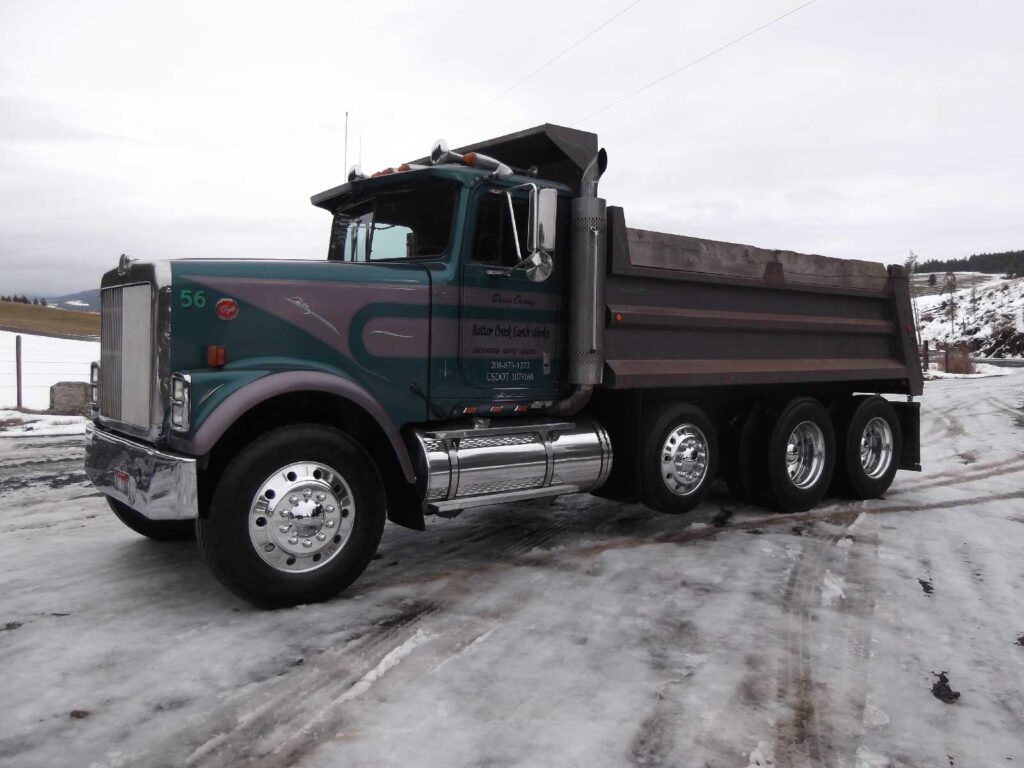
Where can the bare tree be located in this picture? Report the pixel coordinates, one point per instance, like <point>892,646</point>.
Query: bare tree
<point>949,286</point>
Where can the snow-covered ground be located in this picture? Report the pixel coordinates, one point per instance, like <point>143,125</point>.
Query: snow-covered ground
<point>999,305</point>
<point>577,633</point>
<point>21,424</point>
<point>45,361</point>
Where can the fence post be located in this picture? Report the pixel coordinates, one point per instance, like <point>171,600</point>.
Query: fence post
<point>17,366</point>
<point>925,361</point>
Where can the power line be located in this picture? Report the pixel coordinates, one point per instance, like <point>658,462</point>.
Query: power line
<point>549,62</point>
<point>694,62</point>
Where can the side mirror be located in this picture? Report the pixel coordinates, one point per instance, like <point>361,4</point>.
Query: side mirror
<point>543,210</point>
<point>540,231</point>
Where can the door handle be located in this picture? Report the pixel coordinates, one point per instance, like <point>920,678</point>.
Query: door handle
<point>497,272</point>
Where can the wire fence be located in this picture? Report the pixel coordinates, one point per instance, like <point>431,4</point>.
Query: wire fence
<point>44,362</point>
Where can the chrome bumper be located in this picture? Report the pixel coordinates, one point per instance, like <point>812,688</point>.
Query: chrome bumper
<point>158,485</point>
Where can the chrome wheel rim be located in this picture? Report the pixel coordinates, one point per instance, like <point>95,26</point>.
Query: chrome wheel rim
<point>301,517</point>
<point>876,448</point>
<point>805,454</point>
<point>684,459</point>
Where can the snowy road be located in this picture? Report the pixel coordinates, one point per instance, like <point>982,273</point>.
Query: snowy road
<point>578,633</point>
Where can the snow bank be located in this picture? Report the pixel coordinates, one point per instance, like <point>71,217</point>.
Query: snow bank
<point>45,361</point>
<point>20,424</point>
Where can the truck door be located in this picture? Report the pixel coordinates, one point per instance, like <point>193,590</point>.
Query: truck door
<point>509,326</point>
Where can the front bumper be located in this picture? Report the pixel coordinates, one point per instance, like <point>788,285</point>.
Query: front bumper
<point>158,485</point>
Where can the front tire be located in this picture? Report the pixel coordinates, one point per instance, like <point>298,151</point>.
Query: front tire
<point>158,530</point>
<point>680,458</point>
<point>295,518</point>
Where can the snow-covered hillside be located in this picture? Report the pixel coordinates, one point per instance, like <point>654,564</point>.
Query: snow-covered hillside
<point>45,361</point>
<point>989,314</point>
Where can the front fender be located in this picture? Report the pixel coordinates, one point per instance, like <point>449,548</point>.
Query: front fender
<point>244,399</point>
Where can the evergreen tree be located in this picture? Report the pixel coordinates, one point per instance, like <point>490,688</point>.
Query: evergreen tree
<point>932,279</point>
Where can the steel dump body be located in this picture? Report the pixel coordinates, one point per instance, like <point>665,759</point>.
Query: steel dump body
<point>687,312</point>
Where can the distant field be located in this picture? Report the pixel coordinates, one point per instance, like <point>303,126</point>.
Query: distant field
<point>48,321</point>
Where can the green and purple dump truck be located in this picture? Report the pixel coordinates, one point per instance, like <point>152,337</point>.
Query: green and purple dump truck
<point>485,330</point>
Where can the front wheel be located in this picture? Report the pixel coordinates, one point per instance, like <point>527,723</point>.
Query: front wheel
<point>295,518</point>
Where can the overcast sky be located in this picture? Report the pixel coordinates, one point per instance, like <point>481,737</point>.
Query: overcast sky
<point>855,128</point>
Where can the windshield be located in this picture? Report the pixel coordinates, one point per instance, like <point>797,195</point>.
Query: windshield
<point>404,224</point>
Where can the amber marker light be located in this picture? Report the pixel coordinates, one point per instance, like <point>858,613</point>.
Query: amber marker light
<point>618,317</point>
<point>469,410</point>
<point>496,409</point>
<point>216,357</point>
<point>522,408</point>
<point>469,159</point>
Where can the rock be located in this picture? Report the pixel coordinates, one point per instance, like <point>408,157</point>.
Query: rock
<point>70,398</point>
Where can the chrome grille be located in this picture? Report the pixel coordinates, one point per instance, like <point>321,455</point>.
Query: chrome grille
<point>126,350</point>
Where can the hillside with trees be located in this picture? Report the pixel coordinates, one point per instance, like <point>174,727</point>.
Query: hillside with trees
<point>1007,263</point>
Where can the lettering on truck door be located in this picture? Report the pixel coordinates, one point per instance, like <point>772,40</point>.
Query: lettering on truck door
<point>509,326</point>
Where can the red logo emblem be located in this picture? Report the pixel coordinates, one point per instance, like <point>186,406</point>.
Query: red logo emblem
<point>227,309</point>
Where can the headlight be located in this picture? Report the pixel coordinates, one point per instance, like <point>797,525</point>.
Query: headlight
<point>94,385</point>
<point>181,405</point>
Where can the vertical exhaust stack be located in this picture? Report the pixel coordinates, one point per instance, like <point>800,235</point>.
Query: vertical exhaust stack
<point>587,254</point>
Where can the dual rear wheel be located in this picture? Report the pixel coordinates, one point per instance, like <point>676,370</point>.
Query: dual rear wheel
<point>785,456</point>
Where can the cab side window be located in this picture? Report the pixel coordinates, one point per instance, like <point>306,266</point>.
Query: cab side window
<point>494,241</point>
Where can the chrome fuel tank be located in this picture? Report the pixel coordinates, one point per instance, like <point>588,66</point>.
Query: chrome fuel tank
<point>487,462</point>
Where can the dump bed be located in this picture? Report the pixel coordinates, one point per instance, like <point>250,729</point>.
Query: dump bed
<point>687,312</point>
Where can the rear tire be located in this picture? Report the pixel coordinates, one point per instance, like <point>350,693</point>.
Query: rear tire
<point>741,448</point>
<point>158,530</point>
<point>801,455</point>
<point>679,459</point>
<point>295,518</point>
<point>869,442</point>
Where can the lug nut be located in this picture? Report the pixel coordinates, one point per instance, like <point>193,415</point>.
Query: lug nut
<point>307,543</point>
<point>321,537</point>
<point>329,523</point>
<point>293,499</point>
<point>330,508</point>
<point>284,528</point>
<point>307,493</point>
<point>321,496</point>
<point>293,540</point>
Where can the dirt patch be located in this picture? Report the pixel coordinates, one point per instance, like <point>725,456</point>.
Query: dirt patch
<point>967,457</point>
<point>722,519</point>
<point>49,321</point>
<point>1020,640</point>
<point>79,714</point>
<point>941,689</point>
<point>11,626</point>
<point>926,586</point>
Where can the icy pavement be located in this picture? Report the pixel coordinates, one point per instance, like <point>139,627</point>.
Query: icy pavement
<point>578,633</point>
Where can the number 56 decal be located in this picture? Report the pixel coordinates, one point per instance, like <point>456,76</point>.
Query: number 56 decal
<point>189,298</point>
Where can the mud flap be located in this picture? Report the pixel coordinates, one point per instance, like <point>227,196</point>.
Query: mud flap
<point>909,415</point>
<point>404,507</point>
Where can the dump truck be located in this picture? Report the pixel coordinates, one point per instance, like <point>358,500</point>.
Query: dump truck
<point>484,330</point>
